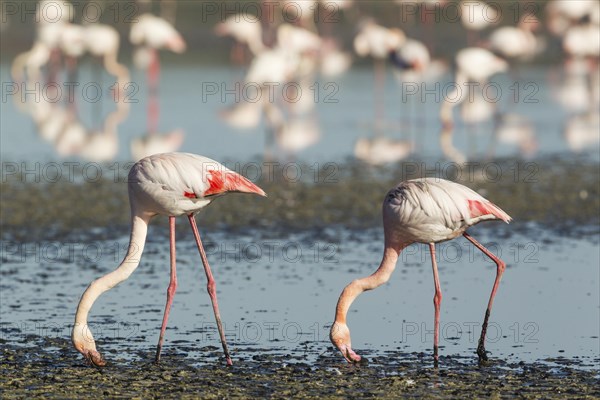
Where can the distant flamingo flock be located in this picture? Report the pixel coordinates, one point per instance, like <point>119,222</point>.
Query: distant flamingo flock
<point>299,49</point>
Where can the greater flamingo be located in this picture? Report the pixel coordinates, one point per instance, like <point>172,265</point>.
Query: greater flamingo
<point>378,42</point>
<point>333,61</point>
<point>476,16</point>
<point>169,184</point>
<point>153,33</point>
<point>563,14</point>
<point>427,210</point>
<point>51,18</point>
<point>246,29</point>
<point>516,42</point>
<point>473,64</point>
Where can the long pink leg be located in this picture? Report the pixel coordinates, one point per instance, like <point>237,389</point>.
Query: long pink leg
<point>500,267</point>
<point>170,290</point>
<point>437,300</point>
<point>211,287</point>
<point>153,107</point>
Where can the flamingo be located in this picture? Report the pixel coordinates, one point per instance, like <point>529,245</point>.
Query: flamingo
<point>378,42</point>
<point>582,41</point>
<point>411,60</point>
<point>517,42</point>
<point>472,64</point>
<point>475,17</point>
<point>284,61</point>
<point>333,61</point>
<point>153,33</point>
<point>103,41</point>
<point>245,29</point>
<point>169,184</point>
<point>51,18</point>
<point>562,14</point>
<point>411,56</point>
<point>426,210</point>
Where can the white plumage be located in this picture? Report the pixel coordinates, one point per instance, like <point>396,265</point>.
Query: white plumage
<point>156,33</point>
<point>180,183</point>
<point>426,210</point>
<point>433,210</point>
<point>168,184</point>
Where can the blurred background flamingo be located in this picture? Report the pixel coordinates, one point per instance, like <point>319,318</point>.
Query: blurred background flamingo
<point>308,53</point>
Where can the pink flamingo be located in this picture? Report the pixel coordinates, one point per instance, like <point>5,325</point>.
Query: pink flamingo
<point>169,184</point>
<point>427,210</point>
<point>152,33</point>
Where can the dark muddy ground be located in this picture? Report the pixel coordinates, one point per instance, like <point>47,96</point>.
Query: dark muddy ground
<point>50,368</point>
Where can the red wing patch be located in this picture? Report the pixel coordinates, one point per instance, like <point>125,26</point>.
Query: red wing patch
<point>478,208</point>
<point>216,182</point>
<point>190,195</point>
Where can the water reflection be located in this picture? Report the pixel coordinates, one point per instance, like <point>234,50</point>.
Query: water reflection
<point>289,75</point>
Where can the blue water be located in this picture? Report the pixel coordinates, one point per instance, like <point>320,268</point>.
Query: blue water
<point>345,111</point>
<point>280,294</point>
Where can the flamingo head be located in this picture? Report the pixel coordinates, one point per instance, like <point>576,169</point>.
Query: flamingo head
<point>340,337</point>
<point>222,181</point>
<point>83,341</point>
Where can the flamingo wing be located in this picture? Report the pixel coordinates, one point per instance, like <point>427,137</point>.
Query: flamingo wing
<point>454,202</point>
<point>431,209</point>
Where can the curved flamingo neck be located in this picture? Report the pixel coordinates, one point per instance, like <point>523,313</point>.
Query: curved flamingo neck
<point>137,239</point>
<point>356,287</point>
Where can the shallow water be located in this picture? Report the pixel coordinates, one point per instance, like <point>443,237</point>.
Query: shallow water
<point>277,295</point>
<point>345,112</point>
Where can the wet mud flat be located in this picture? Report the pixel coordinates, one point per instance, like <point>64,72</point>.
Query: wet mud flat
<point>49,368</point>
<point>562,193</point>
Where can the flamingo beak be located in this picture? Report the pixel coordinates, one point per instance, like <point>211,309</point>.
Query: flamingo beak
<point>94,358</point>
<point>228,181</point>
<point>238,183</point>
<point>350,355</point>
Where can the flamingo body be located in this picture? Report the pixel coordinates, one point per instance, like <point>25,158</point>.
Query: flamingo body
<point>169,184</point>
<point>426,210</point>
<point>513,42</point>
<point>478,64</point>
<point>244,28</point>
<point>582,41</point>
<point>377,41</point>
<point>434,210</point>
<point>296,39</point>
<point>156,33</point>
<point>174,184</point>
<point>412,55</point>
